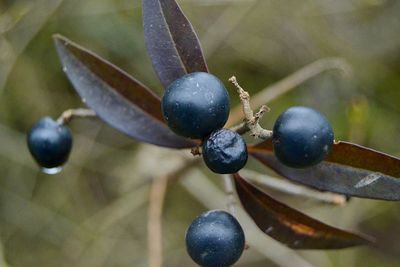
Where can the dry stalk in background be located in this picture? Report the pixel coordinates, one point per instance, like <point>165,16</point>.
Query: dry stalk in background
<point>290,82</point>
<point>268,182</point>
<point>158,191</point>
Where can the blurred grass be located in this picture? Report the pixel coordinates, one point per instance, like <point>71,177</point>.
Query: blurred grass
<point>94,212</point>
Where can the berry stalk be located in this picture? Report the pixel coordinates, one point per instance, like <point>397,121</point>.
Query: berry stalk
<point>251,121</point>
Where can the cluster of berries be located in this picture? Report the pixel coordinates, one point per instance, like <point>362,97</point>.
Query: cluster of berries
<point>197,106</point>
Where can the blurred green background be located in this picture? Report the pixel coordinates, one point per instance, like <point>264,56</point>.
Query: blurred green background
<point>94,213</point>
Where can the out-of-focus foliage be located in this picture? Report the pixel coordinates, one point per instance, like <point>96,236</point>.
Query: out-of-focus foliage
<point>94,212</point>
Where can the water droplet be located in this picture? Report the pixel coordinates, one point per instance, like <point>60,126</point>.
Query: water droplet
<point>269,230</point>
<point>52,171</point>
<point>65,69</point>
<point>368,180</point>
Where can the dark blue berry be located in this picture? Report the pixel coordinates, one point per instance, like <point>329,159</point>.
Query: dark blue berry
<point>215,239</point>
<point>225,151</point>
<point>302,137</point>
<point>195,105</point>
<point>49,143</point>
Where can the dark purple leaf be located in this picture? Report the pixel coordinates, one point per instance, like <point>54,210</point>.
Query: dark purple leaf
<point>290,226</point>
<point>116,97</point>
<point>171,41</point>
<point>349,169</point>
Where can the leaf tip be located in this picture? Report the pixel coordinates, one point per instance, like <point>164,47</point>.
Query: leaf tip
<point>367,240</point>
<point>60,40</point>
<point>58,37</point>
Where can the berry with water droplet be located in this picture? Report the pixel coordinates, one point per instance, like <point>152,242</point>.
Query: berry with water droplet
<point>50,143</point>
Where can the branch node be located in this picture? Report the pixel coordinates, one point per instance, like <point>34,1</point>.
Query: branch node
<point>251,120</point>
<point>196,151</point>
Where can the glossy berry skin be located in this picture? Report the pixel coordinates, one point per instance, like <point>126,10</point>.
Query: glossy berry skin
<point>225,151</point>
<point>215,239</point>
<point>195,105</point>
<point>49,143</point>
<point>302,137</point>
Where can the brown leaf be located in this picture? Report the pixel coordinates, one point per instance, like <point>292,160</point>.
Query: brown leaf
<point>290,226</point>
<point>349,169</point>
<point>171,41</point>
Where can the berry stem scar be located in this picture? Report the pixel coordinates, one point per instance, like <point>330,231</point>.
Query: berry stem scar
<point>251,121</point>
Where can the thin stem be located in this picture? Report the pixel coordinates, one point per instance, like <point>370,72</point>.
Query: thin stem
<point>154,227</point>
<point>290,82</point>
<point>251,120</point>
<point>158,191</point>
<point>230,193</point>
<point>268,182</point>
<point>241,128</point>
<point>70,114</point>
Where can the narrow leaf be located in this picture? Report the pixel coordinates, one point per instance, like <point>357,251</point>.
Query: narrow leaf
<point>290,226</point>
<point>172,44</point>
<point>349,169</point>
<point>116,97</point>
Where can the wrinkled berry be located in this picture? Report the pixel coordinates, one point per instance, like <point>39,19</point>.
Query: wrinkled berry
<point>225,151</point>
